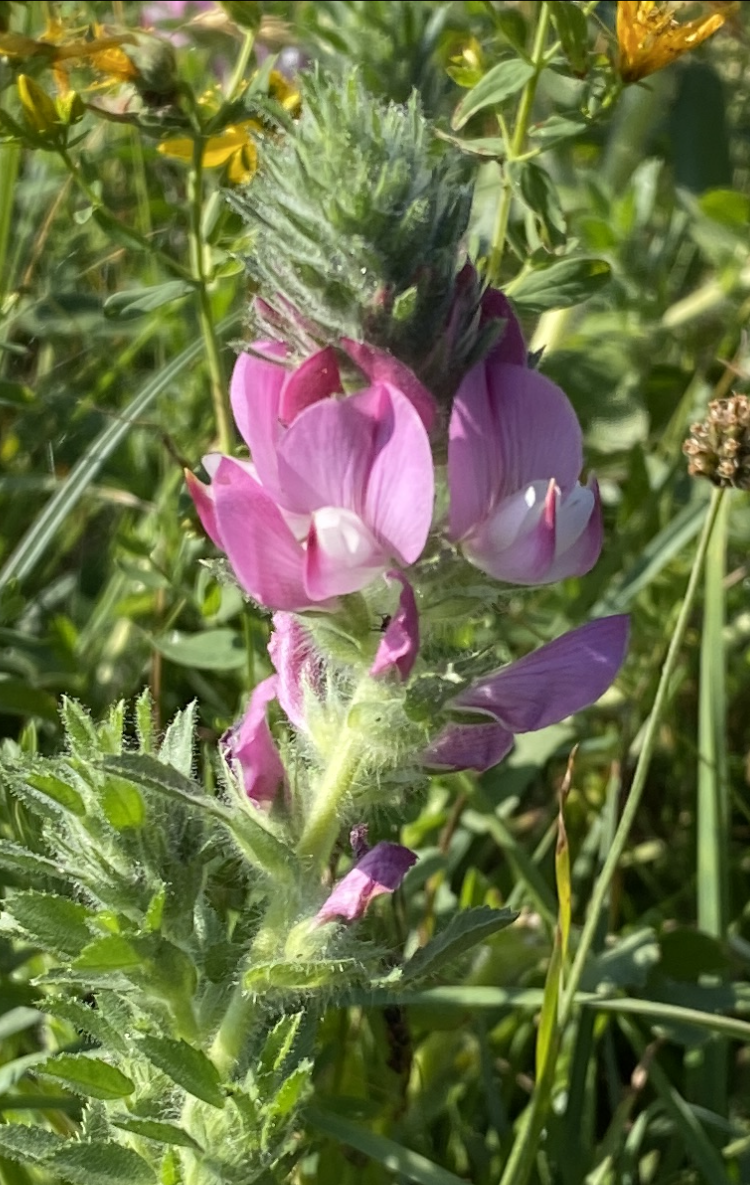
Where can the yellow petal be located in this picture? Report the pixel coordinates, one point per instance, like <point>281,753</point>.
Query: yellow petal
<point>649,37</point>
<point>243,164</point>
<point>180,149</point>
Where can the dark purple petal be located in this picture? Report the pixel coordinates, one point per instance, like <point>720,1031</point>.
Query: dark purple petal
<point>511,346</point>
<point>317,378</point>
<point>399,645</point>
<point>249,749</point>
<point>468,746</point>
<point>555,681</point>
<point>381,870</point>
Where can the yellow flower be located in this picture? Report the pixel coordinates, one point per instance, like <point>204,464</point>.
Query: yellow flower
<point>233,147</point>
<point>649,37</point>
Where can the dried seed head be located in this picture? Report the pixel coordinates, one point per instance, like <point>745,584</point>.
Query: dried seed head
<point>719,446</point>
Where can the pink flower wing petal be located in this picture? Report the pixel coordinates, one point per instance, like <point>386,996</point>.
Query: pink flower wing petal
<point>265,557</point>
<point>555,681</point>
<point>399,645</point>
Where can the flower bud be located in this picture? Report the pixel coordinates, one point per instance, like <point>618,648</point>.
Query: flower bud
<point>39,109</point>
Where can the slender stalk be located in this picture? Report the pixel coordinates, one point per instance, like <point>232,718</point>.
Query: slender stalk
<point>521,1160</point>
<point>217,377</point>
<point>241,65</point>
<point>321,828</point>
<point>525,105</point>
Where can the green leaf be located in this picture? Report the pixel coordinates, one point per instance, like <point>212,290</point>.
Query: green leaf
<point>559,127</point>
<point>18,698</point>
<point>18,859</point>
<point>87,1020</point>
<point>499,83</point>
<point>112,952</point>
<point>548,1033</point>
<point>559,285</point>
<point>540,195</point>
<point>464,931</point>
<point>88,1076</point>
<point>18,1020</point>
<point>571,27</point>
<point>55,923</point>
<point>399,1161</point>
<point>212,650</point>
<point>185,1065</point>
<point>122,804</point>
<point>27,1144</point>
<point>144,721</point>
<point>292,1090</point>
<point>177,747</point>
<point>58,791</point>
<point>79,729</point>
<point>101,1163</point>
<point>153,1129</point>
<point>136,302</point>
<point>278,1043</point>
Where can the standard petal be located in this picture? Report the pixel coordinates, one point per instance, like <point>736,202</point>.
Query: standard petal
<point>265,557</point>
<point>381,870</point>
<point>399,645</point>
<point>555,681</point>
<point>255,395</point>
<point>250,750</point>
<point>381,367</point>
<point>401,485</point>
<point>317,378</point>
<point>342,554</point>
<point>468,746</point>
<point>325,456</point>
<point>473,459</point>
<point>203,499</point>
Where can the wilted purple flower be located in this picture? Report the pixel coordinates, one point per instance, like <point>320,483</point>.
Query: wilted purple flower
<point>540,689</point>
<point>329,501</point>
<point>399,645</point>
<point>381,870</point>
<point>515,452</point>
<point>250,751</point>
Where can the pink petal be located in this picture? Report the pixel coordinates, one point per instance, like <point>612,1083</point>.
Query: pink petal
<point>517,542</point>
<point>317,378</point>
<point>583,554</point>
<point>342,554</point>
<point>399,645</point>
<point>297,665</point>
<point>468,746</point>
<point>381,870</point>
<point>381,367</point>
<point>509,428</point>
<point>555,681</point>
<point>250,751</point>
<point>401,486</point>
<point>203,499</point>
<point>255,395</point>
<point>265,557</point>
<point>511,346</point>
<point>325,456</point>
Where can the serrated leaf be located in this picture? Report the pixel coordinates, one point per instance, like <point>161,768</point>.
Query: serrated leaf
<point>278,1043</point>
<point>464,931</point>
<point>153,1129</point>
<point>144,721</point>
<point>122,804</point>
<point>58,791</point>
<point>100,1163</point>
<point>292,1090</point>
<point>560,285</point>
<point>86,1020</point>
<point>177,747</point>
<point>16,859</point>
<point>136,302</point>
<point>499,83</point>
<point>112,952</point>
<point>28,1144</point>
<point>88,1076</point>
<point>55,923</point>
<point>185,1065</point>
<point>79,729</point>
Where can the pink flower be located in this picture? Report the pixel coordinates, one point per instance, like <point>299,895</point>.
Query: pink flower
<point>381,870</point>
<point>515,452</point>
<point>540,689</point>
<point>250,751</point>
<point>399,646</point>
<point>329,501</point>
<point>297,665</point>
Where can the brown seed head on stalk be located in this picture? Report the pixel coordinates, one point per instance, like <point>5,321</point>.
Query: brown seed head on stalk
<point>719,446</point>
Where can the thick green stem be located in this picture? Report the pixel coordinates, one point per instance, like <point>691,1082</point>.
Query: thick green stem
<point>538,60</point>
<point>322,826</point>
<point>523,1153</point>
<point>217,378</point>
